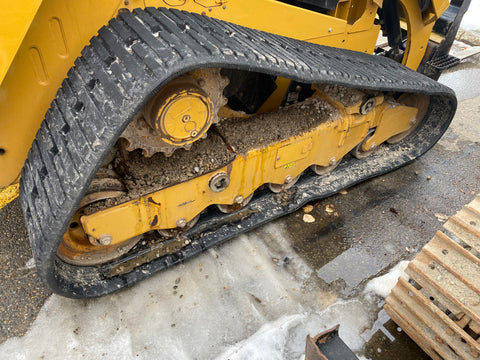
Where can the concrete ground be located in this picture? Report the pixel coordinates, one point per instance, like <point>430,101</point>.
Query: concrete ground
<point>375,225</point>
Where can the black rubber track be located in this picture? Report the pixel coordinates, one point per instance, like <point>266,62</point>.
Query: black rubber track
<point>126,64</point>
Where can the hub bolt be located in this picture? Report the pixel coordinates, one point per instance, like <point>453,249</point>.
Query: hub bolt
<point>181,223</point>
<point>367,106</point>
<point>238,199</point>
<point>219,182</point>
<point>288,179</point>
<point>186,118</point>
<point>105,239</point>
<point>373,146</point>
<point>333,161</point>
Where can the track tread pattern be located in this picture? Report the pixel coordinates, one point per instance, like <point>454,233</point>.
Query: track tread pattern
<point>128,62</point>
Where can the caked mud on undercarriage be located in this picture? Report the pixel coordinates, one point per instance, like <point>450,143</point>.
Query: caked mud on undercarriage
<point>150,155</point>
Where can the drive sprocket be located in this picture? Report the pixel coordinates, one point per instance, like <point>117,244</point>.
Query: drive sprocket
<point>179,114</point>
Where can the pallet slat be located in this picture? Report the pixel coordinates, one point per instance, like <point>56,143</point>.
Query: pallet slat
<point>443,316</point>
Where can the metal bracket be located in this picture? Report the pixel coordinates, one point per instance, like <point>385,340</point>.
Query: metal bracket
<point>328,346</point>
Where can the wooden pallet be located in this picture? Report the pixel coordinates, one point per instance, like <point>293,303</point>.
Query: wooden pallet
<point>439,307</point>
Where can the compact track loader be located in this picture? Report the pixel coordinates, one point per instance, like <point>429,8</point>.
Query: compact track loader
<point>146,131</point>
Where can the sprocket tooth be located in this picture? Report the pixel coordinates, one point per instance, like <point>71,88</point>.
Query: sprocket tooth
<point>146,153</point>
<point>129,146</point>
<point>168,152</point>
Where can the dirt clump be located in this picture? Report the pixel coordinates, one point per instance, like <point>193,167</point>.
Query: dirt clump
<point>262,130</point>
<point>346,96</point>
<point>143,175</point>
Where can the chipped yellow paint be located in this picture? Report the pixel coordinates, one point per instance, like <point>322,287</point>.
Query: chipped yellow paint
<point>8,194</point>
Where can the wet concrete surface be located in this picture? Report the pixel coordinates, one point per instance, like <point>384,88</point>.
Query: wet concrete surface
<point>372,227</point>
<point>465,73</point>
<point>391,342</point>
<point>21,293</point>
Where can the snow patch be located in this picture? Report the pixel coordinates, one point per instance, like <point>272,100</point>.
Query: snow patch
<point>193,311</point>
<point>232,302</point>
<point>384,284</point>
<point>270,341</point>
<point>285,337</point>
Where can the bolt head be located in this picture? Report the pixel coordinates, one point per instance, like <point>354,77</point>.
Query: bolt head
<point>219,182</point>
<point>105,239</point>
<point>181,223</point>
<point>373,146</point>
<point>367,106</point>
<point>238,199</point>
<point>288,179</point>
<point>332,161</point>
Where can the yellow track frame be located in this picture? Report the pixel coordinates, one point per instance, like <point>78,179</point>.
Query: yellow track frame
<point>275,163</point>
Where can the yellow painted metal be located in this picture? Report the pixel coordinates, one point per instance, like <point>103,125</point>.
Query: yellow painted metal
<point>274,101</point>
<point>418,30</point>
<point>181,116</point>
<point>437,38</point>
<point>438,7</point>
<point>273,164</point>
<point>76,248</point>
<point>16,19</point>
<point>54,39</point>
<point>60,29</point>
<point>394,121</point>
<point>267,15</point>
<point>288,154</point>
<point>179,120</point>
<point>8,194</point>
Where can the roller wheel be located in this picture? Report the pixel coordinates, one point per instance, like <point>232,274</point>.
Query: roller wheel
<point>361,153</point>
<point>228,209</point>
<point>324,170</point>
<point>170,233</point>
<point>276,188</point>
